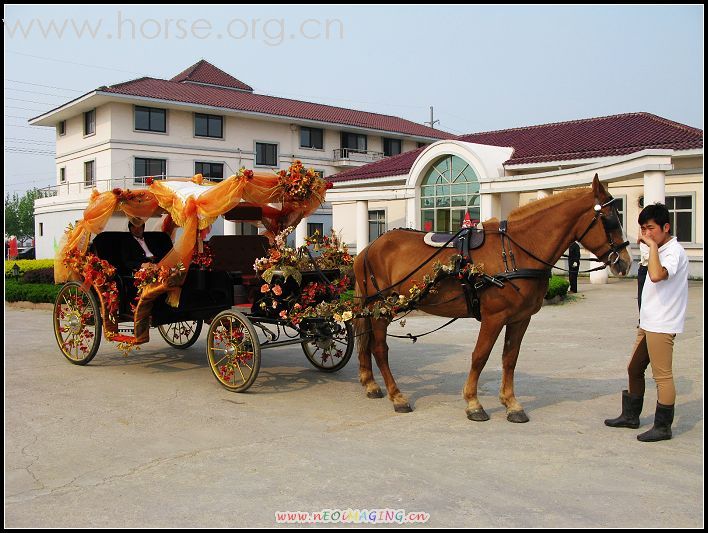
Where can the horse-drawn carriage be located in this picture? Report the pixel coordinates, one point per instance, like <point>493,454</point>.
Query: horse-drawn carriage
<point>197,282</point>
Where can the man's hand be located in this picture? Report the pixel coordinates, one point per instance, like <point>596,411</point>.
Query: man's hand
<point>646,239</point>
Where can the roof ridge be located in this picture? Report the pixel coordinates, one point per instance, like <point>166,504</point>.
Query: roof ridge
<point>670,122</point>
<point>575,121</point>
<point>218,87</point>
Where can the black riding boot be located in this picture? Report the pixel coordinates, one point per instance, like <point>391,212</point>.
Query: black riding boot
<point>631,409</point>
<point>663,419</point>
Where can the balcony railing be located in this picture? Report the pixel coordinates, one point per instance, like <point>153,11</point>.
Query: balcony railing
<point>352,155</point>
<point>79,189</point>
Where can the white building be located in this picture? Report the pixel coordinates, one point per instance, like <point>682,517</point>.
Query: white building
<point>642,158</point>
<point>202,121</point>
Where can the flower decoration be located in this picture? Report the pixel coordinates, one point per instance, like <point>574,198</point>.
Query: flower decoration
<point>204,259</point>
<point>298,183</point>
<point>149,180</point>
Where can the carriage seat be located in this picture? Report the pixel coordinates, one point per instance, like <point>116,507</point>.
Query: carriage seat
<point>108,246</point>
<point>438,240</point>
<point>237,253</point>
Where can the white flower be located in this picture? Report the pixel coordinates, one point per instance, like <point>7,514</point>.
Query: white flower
<point>347,315</point>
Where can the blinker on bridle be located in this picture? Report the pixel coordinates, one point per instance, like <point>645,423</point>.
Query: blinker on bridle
<point>609,223</point>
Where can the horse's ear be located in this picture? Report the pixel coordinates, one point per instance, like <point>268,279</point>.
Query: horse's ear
<point>598,189</point>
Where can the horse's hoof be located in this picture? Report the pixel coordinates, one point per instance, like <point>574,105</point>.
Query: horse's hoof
<point>518,417</point>
<point>374,394</point>
<point>478,415</point>
<point>402,408</point>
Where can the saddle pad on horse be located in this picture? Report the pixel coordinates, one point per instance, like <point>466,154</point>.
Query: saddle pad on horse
<point>438,240</point>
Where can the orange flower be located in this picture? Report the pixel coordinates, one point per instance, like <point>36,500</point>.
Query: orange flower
<point>265,287</point>
<point>277,290</point>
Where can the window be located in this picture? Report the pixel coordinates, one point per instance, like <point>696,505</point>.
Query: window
<point>212,171</point>
<point>208,126</point>
<point>266,155</point>
<point>619,203</point>
<point>320,173</point>
<point>311,138</point>
<point>149,167</point>
<point>90,122</point>
<point>377,224</point>
<point>392,146</point>
<point>354,141</point>
<point>41,229</point>
<point>62,174</point>
<point>89,173</point>
<point>61,128</point>
<point>681,217</point>
<point>150,119</point>
<point>313,227</point>
<point>449,190</point>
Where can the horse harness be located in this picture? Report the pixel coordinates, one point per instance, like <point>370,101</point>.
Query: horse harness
<point>467,239</point>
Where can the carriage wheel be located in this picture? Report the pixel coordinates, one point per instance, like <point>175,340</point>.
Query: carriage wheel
<point>77,323</point>
<point>332,346</point>
<point>181,334</point>
<point>233,350</point>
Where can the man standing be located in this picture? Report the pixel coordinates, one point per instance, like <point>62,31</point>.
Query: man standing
<point>661,317</point>
<point>573,265</point>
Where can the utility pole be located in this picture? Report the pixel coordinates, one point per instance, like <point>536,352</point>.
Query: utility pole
<point>432,122</point>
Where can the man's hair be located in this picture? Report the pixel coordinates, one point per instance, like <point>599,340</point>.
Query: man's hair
<point>131,225</point>
<point>656,212</point>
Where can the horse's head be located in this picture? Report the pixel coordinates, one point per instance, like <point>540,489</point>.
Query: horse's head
<point>606,239</point>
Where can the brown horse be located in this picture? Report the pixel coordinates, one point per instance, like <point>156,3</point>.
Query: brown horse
<point>539,232</point>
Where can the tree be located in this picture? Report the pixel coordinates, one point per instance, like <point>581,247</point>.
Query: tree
<point>19,214</point>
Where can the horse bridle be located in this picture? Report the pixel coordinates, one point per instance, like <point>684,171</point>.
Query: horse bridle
<point>610,223</point>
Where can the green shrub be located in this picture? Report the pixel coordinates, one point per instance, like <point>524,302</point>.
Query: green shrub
<point>27,265</point>
<point>30,292</point>
<point>557,286</point>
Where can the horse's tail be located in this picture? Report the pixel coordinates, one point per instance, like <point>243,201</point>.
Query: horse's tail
<point>362,326</point>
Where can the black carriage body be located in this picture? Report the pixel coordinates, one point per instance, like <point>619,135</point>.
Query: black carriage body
<point>204,293</point>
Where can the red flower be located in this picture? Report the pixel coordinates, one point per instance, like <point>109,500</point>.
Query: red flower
<point>149,180</point>
<point>248,174</point>
<point>329,185</point>
<point>117,191</point>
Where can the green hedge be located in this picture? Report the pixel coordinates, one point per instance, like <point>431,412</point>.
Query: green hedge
<point>27,265</point>
<point>557,286</point>
<point>30,292</point>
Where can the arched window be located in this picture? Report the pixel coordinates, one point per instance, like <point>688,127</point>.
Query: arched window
<point>448,191</point>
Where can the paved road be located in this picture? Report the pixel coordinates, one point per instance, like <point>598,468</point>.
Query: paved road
<point>153,440</point>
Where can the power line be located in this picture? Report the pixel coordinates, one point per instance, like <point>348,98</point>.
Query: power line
<point>25,91</point>
<point>29,101</point>
<point>71,62</point>
<point>47,86</point>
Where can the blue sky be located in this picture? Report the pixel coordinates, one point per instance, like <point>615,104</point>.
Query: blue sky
<point>482,68</point>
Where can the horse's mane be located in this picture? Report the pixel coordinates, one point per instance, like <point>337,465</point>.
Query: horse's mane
<point>539,205</point>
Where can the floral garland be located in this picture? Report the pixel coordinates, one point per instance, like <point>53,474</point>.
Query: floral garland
<point>321,300</point>
<point>154,274</point>
<point>99,273</point>
<point>204,259</point>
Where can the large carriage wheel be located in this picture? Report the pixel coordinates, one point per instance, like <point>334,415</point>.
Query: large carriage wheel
<point>332,345</point>
<point>77,323</point>
<point>181,334</point>
<point>233,350</point>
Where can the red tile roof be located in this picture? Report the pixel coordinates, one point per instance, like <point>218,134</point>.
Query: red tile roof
<point>205,73</point>
<point>560,141</point>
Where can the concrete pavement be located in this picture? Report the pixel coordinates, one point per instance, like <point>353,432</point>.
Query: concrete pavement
<point>152,440</point>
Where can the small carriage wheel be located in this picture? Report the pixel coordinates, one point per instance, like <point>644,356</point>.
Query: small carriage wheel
<point>77,323</point>
<point>333,346</point>
<point>233,350</point>
<point>181,334</point>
